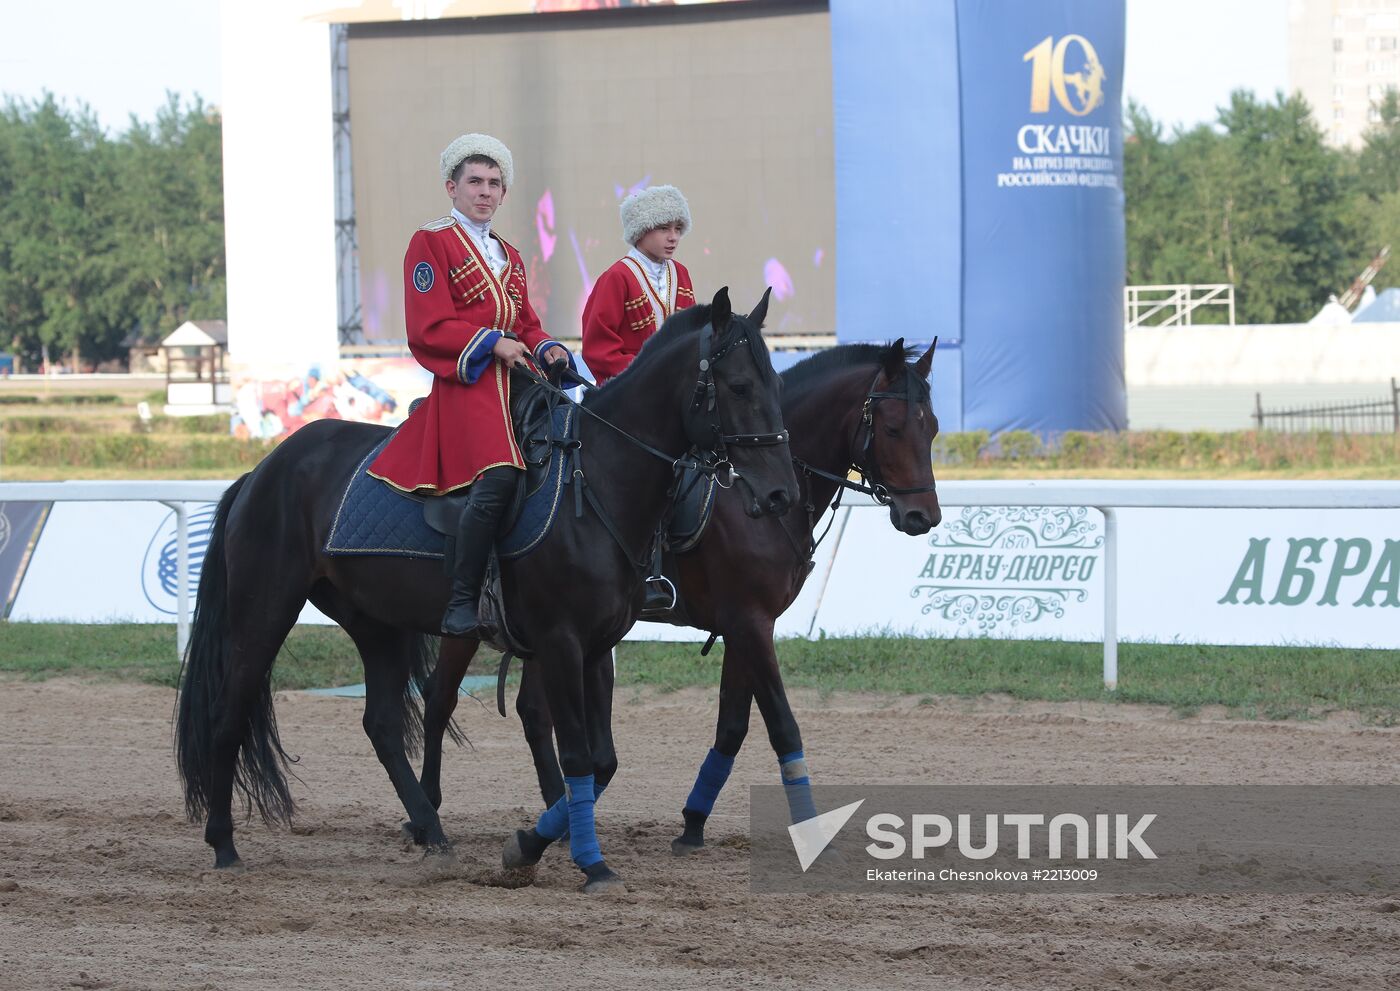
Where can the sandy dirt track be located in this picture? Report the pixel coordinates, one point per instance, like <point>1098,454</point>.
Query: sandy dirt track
<point>104,885</point>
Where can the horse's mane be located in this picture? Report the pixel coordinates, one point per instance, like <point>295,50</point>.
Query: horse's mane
<point>681,325</point>
<point>811,372</point>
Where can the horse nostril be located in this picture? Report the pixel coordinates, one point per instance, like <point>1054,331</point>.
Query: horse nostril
<point>916,522</point>
<point>779,501</point>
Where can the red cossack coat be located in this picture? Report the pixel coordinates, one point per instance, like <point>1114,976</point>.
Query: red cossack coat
<point>455,311</point>
<point>620,315</point>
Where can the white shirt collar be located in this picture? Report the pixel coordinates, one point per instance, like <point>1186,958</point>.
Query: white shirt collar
<point>481,231</point>
<point>654,270</point>
<point>481,234</point>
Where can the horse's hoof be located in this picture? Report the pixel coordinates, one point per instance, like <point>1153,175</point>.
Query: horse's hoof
<point>439,851</point>
<point>230,865</point>
<point>601,879</point>
<point>407,831</point>
<point>523,849</point>
<point>684,847</point>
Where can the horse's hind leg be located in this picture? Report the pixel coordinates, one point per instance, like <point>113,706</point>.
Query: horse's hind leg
<point>245,720</point>
<point>386,652</point>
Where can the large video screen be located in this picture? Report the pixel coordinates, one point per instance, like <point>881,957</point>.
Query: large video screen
<point>730,102</point>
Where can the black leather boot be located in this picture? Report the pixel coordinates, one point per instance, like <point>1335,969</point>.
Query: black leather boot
<point>491,495</point>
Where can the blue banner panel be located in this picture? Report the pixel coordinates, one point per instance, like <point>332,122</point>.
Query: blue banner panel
<point>1043,241</point>
<point>894,72</point>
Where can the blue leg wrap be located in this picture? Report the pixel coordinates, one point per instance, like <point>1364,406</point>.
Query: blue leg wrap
<point>554,821</point>
<point>583,835</point>
<point>797,785</point>
<point>713,774</point>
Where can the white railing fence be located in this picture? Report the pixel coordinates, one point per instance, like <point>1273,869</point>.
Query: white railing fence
<point>1105,496</point>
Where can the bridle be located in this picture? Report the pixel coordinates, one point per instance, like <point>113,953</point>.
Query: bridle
<point>710,444</point>
<point>709,451</point>
<point>862,463</point>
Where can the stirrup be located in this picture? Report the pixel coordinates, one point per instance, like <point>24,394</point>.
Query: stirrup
<point>660,595</point>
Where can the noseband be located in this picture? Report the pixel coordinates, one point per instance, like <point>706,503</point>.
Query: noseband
<point>862,463</point>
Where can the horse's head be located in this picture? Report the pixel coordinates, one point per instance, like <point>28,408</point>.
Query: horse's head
<point>734,417</point>
<point>895,438</point>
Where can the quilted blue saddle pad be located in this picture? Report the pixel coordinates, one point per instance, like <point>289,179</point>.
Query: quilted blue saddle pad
<point>376,518</point>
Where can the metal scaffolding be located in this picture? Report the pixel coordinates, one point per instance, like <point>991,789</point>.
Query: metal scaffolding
<point>349,322</point>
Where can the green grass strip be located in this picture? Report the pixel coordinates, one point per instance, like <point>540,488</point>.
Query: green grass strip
<point>1251,682</point>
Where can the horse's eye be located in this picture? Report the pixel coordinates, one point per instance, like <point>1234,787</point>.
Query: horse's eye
<point>893,431</point>
<point>740,389</point>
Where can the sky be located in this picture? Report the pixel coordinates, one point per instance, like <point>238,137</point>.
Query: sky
<point>1184,57</point>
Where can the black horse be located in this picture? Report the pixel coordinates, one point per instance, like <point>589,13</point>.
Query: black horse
<point>859,406</point>
<point>703,383</point>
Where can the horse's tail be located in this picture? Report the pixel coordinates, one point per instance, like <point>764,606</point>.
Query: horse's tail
<point>423,662</point>
<point>422,659</point>
<point>260,774</point>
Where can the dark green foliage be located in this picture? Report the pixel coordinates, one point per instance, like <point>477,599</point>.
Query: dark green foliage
<point>134,451</point>
<point>1261,201</point>
<point>962,448</point>
<point>101,237</point>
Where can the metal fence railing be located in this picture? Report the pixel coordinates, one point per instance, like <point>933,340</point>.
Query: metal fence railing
<point>1377,417</point>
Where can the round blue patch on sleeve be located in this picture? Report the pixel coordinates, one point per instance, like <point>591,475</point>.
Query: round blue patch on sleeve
<point>422,276</point>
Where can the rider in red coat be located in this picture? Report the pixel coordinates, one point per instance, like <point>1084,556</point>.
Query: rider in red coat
<point>469,320</point>
<point>633,298</point>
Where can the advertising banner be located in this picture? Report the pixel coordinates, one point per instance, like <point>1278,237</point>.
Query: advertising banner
<point>1043,238</point>
<point>19,521</point>
<point>1321,577</point>
<point>980,144</point>
<point>114,562</point>
<point>1285,577</point>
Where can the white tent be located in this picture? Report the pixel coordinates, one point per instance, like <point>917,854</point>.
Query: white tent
<point>1334,314</point>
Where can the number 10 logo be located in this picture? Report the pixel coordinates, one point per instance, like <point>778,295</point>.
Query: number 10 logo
<point>1048,73</point>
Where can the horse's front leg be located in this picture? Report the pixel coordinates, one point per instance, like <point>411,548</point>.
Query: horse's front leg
<point>732,725</point>
<point>532,705</point>
<point>767,684</point>
<point>574,708</point>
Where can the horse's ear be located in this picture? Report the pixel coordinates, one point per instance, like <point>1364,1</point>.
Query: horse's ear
<point>925,364</point>
<point>720,310</point>
<point>893,359</point>
<point>760,312</point>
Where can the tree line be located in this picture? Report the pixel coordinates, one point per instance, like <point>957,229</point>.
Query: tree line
<point>107,239</point>
<point>1260,200</point>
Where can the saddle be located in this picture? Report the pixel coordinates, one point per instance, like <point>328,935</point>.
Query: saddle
<point>376,519</point>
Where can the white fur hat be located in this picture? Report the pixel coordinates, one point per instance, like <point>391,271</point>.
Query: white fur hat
<point>650,208</point>
<point>478,144</point>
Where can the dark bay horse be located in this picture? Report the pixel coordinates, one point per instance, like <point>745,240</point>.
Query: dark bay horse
<point>704,383</point>
<point>859,406</point>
